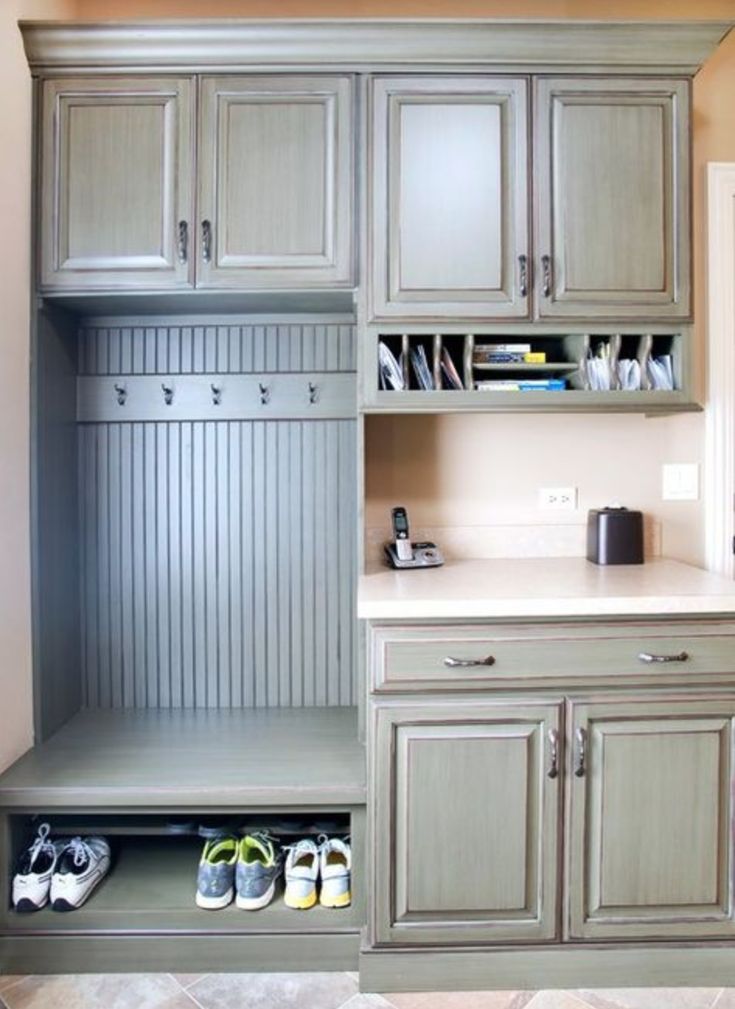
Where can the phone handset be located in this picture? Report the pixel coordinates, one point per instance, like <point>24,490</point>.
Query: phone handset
<point>401,534</point>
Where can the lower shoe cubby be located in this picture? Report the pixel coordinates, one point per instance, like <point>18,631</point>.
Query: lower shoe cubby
<point>150,890</point>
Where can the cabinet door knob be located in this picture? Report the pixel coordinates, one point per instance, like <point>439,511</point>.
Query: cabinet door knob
<point>207,241</point>
<point>182,242</point>
<point>453,663</point>
<point>553,771</point>
<point>546,272</point>
<point>523,276</point>
<point>651,657</point>
<point>580,765</point>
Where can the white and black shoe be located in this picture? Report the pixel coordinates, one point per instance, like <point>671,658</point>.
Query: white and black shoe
<point>32,879</point>
<point>82,865</point>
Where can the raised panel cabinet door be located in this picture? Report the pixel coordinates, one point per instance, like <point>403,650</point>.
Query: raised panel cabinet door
<point>450,189</point>
<point>275,182</point>
<point>116,183</point>
<point>613,198</point>
<point>465,801</point>
<point>650,833</point>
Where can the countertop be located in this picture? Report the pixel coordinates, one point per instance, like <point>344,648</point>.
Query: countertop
<point>546,587</point>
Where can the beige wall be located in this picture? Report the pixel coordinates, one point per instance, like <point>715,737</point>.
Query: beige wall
<point>450,471</point>
<point>15,139</point>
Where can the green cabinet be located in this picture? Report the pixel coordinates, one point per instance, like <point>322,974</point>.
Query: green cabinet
<point>612,179</point>
<point>450,191</point>
<point>466,822</point>
<point>651,845</point>
<point>116,198</point>
<point>275,181</point>
<point>607,200</point>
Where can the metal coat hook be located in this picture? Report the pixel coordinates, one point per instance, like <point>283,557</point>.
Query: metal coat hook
<point>168,393</point>
<point>122,393</point>
<point>313,392</point>
<point>265,393</point>
<point>216,394</point>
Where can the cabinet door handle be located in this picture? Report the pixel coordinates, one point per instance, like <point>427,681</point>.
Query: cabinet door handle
<point>546,271</point>
<point>651,657</point>
<point>207,241</point>
<point>581,757</point>
<point>183,241</point>
<point>453,663</point>
<point>553,771</point>
<point>523,276</point>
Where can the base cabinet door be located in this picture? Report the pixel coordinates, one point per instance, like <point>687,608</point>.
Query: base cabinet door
<point>275,182</point>
<point>449,197</point>
<point>650,837</point>
<point>466,822</point>
<point>117,157</point>
<point>613,192</point>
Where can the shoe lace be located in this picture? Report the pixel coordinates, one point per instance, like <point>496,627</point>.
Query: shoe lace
<point>80,851</point>
<point>302,847</point>
<point>41,842</point>
<point>324,842</point>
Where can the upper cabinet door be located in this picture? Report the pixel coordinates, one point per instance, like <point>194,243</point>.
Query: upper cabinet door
<point>449,197</point>
<point>651,845</point>
<point>275,182</point>
<point>613,198</point>
<point>116,186</point>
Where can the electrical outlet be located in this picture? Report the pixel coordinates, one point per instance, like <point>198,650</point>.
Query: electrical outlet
<point>558,498</point>
<point>680,482</point>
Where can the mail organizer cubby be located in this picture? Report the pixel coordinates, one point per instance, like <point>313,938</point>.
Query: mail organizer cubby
<point>615,370</point>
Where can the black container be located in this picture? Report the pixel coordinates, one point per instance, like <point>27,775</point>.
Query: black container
<point>614,536</point>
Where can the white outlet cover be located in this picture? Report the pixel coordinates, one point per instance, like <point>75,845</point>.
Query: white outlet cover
<point>558,498</point>
<point>680,482</point>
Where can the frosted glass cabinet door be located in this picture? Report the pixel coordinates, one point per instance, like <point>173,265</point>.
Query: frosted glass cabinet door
<point>275,182</point>
<point>613,195</point>
<point>116,185</point>
<point>466,807</point>
<point>449,197</point>
<point>651,846</point>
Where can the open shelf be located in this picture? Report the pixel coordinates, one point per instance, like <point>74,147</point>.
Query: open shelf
<point>151,887</point>
<point>203,759</point>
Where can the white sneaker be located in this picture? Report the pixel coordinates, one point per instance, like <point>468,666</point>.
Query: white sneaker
<point>32,879</point>
<point>302,869</point>
<point>335,866</point>
<point>83,863</point>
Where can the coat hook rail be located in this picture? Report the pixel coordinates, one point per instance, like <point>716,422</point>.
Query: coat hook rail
<point>168,393</point>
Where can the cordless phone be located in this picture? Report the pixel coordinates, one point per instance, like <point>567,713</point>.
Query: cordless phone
<point>402,553</point>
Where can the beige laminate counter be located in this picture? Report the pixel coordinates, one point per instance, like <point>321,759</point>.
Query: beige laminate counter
<point>547,587</point>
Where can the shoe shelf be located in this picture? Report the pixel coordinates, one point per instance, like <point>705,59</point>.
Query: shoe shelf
<point>150,888</point>
<point>193,759</point>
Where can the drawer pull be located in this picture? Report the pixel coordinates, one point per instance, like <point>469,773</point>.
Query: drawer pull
<point>580,763</point>
<point>453,663</point>
<point>650,657</point>
<point>553,771</point>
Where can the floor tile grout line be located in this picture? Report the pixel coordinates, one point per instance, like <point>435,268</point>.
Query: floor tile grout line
<point>195,1001</point>
<point>717,998</point>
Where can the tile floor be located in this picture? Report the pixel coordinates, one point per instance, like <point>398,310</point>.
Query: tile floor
<point>315,991</point>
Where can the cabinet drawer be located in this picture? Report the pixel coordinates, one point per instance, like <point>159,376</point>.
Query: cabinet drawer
<point>421,657</point>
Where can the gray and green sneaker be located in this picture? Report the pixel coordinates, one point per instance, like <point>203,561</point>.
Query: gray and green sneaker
<point>258,868</point>
<point>216,876</point>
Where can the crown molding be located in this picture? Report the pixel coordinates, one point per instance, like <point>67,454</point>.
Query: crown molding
<point>677,47</point>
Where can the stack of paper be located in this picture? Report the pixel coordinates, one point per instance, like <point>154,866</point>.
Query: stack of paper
<point>661,372</point>
<point>421,368</point>
<point>629,374</point>
<point>451,375</point>
<point>390,372</point>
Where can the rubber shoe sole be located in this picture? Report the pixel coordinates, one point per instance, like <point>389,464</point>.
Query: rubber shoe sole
<point>300,903</point>
<point>256,903</point>
<point>25,905</point>
<point>339,900</point>
<point>215,903</point>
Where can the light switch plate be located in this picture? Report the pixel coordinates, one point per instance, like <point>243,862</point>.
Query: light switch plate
<point>680,482</point>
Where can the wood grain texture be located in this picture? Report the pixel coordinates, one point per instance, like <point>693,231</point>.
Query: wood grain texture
<point>275,181</point>
<point>651,851</point>
<point>613,200</point>
<point>201,759</point>
<point>116,180</point>
<point>462,797</point>
<point>449,194</point>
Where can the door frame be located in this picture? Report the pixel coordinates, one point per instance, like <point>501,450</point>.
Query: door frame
<point>719,469</point>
